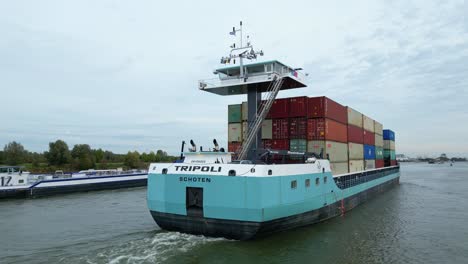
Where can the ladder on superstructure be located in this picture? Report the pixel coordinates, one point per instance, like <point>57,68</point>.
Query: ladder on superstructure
<point>256,124</point>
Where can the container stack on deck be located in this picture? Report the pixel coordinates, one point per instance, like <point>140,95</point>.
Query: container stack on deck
<point>350,140</point>
<point>389,148</point>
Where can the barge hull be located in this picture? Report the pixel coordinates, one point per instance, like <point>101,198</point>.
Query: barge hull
<point>245,230</point>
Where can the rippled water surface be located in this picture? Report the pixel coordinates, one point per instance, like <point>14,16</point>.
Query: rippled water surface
<point>424,220</point>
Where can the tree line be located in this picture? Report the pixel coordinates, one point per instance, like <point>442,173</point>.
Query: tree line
<point>80,157</point>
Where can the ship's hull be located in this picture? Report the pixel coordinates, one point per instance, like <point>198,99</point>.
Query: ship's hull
<point>247,207</point>
<point>73,185</point>
<point>245,230</point>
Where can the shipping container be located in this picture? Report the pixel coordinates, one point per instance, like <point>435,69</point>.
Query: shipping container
<point>389,154</point>
<point>378,140</point>
<point>267,130</point>
<point>245,111</point>
<point>298,128</point>
<point>355,134</point>
<point>388,134</point>
<point>280,128</point>
<point>356,165</point>
<point>280,108</point>
<point>235,132</point>
<point>298,106</point>
<point>379,163</point>
<point>338,168</point>
<point>368,137</point>
<point>378,153</point>
<point>280,144</point>
<point>326,129</point>
<point>233,146</point>
<point>389,144</point>
<point>234,113</point>
<point>368,123</point>
<point>355,151</point>
<point>369,152</point>
<point>245,128</point>
<point>378,128</point>
<point>298,145</point>
<point>393,163</point>
<point>337,151</point>
<point>369,164</point>
<point>354,117</point>
<point>267,144</point>
<point>324,107</point>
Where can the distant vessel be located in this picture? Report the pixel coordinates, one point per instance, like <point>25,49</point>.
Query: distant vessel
<point>16,183</point>
<point>213,194</point>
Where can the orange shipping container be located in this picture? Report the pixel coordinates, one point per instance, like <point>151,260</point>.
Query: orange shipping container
<point>326,129</point>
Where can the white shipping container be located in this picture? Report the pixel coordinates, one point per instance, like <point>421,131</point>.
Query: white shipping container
<point>339,168</point>
<point>369,164</point>
<point>356,165</point>
<point>389,144</point>
<point>245,112</point>
<point>356,151</point>
<point>354,117</point>
<point>235,132</point>
<point>378,128</point>
<point>337,151</point>
<point>267,130</point>
<point>368,123</point>
<point>378,140</point>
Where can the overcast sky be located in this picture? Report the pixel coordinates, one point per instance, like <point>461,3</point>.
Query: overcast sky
<point>122,75</point>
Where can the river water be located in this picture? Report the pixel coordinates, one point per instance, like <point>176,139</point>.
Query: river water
<point>423,220</point>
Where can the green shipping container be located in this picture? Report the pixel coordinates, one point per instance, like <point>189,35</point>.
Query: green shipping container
<point>298,145</point>
<point>378,153</point>
<point>234,113</point>
<point>389,154</point>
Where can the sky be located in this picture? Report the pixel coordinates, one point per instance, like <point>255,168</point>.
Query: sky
<point>122,75</point>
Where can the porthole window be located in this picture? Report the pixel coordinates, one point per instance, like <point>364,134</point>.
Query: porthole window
<point>307,183</point>
<point>317,181</point>
<point>293,184</point>
<point>325,179</point>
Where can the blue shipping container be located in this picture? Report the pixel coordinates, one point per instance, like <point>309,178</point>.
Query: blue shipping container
<point>388,135</point>
<point>369,152</point>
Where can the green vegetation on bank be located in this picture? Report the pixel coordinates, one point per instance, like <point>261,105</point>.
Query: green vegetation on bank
<point>80,157</point>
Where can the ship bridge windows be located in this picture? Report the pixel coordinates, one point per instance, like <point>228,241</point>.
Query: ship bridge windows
<point>293,184</point>
<point>317,181</point>
<point>307,183</point>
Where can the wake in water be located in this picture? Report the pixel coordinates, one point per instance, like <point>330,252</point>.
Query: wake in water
<point>159,248</point>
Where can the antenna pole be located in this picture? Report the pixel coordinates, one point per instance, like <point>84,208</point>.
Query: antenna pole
<point>241,64</point>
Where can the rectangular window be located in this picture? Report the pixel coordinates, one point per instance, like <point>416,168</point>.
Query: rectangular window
<point>317,181</point>
<point>307,183</point>
<point>294,184</point>
<point>325,179</point>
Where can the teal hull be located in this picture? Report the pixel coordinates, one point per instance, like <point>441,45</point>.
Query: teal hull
<point>254,205</point>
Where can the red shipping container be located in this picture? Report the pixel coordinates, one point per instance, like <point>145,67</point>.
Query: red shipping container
<point>379,163</point>
<point>326,129</point>
<point>266,143</point>
<point>298,106</point>
<point>298,128</point>
<point>368,138</point>
<point>280,144</point>
<point>393,163</point>
<point>355,134</point>
<point>234,146</point>
<point>326,107</point>
<point>280,128</point>
<point>280,108</point>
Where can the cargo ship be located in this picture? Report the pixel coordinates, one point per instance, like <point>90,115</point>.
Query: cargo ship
<point>290,162</point>
<point>16,183</point>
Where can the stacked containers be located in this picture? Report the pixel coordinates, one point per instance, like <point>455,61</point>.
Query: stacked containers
<point>355,140</point>
<point>352,141</point>
<point>234,127</point>
<point>379,160</point>
<point>327,131</point>
<point>389,148</point>
<point>369,142</point>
